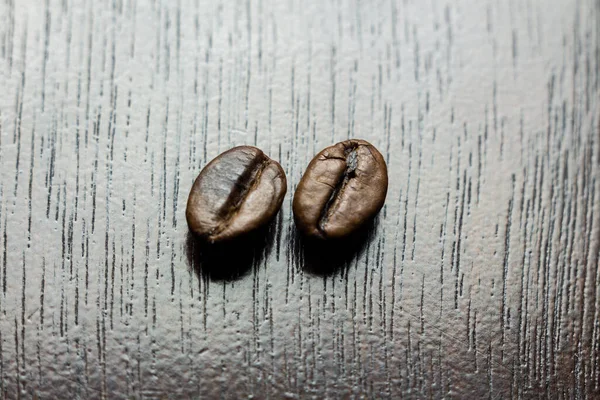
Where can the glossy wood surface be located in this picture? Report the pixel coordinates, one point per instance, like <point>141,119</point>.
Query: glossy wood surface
<point>479,279</point>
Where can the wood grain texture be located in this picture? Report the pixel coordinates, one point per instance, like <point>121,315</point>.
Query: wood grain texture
<point>480,278</point>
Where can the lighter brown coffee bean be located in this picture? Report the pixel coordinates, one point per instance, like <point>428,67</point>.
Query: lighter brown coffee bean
<point>343,187</point>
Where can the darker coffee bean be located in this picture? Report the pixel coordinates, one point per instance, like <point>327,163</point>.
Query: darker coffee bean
<point>236,193</point>
<point>343,187</point>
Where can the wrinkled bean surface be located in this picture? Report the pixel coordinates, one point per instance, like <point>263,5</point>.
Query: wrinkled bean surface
<point>343,187</point>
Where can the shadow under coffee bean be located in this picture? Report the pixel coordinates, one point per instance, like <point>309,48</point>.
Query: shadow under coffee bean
<point>230,260</point>
<point>326,258</point>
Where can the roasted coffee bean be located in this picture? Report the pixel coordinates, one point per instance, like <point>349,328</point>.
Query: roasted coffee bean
<point>343,187</point>
<point>236,193</point>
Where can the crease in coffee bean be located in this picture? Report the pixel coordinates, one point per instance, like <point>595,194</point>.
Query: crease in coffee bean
<point>350,172</point>
<point>242,190</point>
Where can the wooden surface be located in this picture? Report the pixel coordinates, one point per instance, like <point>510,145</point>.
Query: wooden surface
<point>480,278</point>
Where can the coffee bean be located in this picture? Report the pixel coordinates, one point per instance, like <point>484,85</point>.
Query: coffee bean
<point>343,187</point>
<point>236,193</point>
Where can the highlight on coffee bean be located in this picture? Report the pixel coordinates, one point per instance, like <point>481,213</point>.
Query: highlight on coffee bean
<point>343,188</point>
<point>236,193</point>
